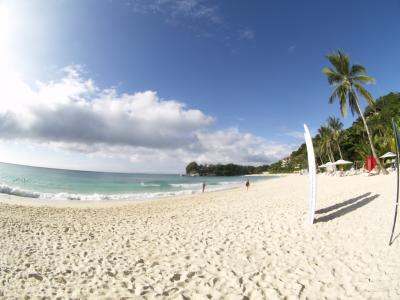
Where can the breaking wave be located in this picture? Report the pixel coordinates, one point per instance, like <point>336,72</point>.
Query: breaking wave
<point>186,189</point>
<point>229,182</point>
<point>149,184</point>
<point>5,189</point>
<point>186,185</point>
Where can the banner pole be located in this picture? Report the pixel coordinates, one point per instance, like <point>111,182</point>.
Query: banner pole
<point>396,137</point>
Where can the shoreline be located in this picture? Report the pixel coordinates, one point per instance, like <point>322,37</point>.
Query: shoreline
<point>268,175</point>
<point>61,203</point>
<point>30,201</point>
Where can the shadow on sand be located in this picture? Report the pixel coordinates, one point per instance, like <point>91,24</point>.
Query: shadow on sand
<point>348,206</point>
<point>339,205</point>
<point>395,238</point>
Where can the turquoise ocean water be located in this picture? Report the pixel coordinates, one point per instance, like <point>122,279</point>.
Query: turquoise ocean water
<point>60,184</point>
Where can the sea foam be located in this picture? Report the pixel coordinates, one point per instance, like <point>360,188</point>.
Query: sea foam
<point>5,189</point>
<point>187,189</point>
<point>149,184</point>
<point>186,185</point>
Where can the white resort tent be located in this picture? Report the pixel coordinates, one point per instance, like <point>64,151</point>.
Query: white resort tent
<point>330,166</point>
<point>388,155</point>
<point>342,162</point>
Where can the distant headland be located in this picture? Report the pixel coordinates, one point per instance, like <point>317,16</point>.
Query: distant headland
<point>194,169</point>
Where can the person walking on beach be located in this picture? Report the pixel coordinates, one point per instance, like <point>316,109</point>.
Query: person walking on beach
<point>204,186</point>
<point>247,184</point>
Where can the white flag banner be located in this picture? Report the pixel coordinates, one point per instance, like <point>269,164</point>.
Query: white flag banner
<point>312,172</point>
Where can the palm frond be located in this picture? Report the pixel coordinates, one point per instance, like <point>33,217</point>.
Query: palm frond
<point>344,62</point>
<point>340,93</point>
<point>357,70</point>
<point>363,79</point>
<point>334,59</point>
<point>334,96</point>
<point>335,124</point>
<point>363,150</point>
<point>353,102</point>
<point>333,77</point>
<point>367,96</point>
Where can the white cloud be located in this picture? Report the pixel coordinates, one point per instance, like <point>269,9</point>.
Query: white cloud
<point>231,145</point>
<point>201,16</point>
<point>296,134</point>
<point>74,114</point>
<point>74,110</point>
<point>246,34</point>
<point>197,9</point>
<point>292,49</point>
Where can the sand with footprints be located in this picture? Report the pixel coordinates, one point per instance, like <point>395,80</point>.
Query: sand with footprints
<point>233,244</point>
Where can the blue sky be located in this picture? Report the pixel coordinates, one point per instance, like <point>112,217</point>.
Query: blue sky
<point>251,68</point>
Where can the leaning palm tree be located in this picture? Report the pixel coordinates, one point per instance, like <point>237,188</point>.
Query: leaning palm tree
<point>336,128</point>
<point>348,82</point>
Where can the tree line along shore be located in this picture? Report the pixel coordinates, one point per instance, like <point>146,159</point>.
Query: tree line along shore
<point>371,134</point>
<point>332,142</point>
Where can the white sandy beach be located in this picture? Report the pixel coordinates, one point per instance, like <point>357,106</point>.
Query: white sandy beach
<point>233,244</point>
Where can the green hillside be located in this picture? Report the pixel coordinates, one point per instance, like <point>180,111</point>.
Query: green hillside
<point>353,141</point>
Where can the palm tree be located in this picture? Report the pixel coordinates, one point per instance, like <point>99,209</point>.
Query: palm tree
<point>348,82</point>
<point>336,127</point>
<point>326,136</point>
<point>319,151</point>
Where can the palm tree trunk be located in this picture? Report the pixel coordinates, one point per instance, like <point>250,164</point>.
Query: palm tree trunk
<point>381,167</point>
<point>330,152</point>
<point>340,151</point>
<point>332,157</point>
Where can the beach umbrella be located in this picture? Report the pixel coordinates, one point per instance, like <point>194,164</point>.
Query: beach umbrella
<point>342,162</point>
<point>388,154</point>
<point>327,165</point>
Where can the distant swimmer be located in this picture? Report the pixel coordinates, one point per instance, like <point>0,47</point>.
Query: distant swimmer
<point>204,186</point>
<point>247,184</point>
<point>22,179</point>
